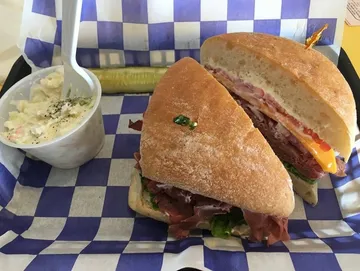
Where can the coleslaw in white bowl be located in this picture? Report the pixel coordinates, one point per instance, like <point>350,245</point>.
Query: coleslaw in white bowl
<point>45,116</point>
<point>64,133</point>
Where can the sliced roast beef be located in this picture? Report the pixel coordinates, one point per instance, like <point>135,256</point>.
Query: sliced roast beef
<point>285,145</point>
<point>178,194</point>
<point>202,216</point>
<point>178,231</point>
<point>176,210</point>
<point>189,211</point>
<point>151,186</point>
<point>267,226</point>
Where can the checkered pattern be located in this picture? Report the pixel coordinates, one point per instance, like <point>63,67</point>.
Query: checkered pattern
<point>117,33</point>
<point>79,219</point>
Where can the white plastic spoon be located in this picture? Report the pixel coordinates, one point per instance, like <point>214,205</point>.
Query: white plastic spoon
<point>76,81</point>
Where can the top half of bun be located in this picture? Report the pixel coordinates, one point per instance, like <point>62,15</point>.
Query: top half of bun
<point>303,81</point>
<point>224,157</point>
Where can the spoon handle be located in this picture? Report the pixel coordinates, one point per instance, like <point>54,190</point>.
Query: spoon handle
<point>71,11</point>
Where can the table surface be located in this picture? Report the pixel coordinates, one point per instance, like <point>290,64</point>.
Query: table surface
<point>351,43</point>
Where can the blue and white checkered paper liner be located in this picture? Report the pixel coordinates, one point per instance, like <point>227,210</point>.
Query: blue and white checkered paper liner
<point>159,32</point>
<point>79,219</point>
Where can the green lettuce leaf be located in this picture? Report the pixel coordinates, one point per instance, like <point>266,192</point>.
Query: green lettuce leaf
<point>294,171</point>
<point>221,225</point>
<point>153,203</point>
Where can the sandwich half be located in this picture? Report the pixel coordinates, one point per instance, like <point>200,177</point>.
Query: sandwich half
<point>296,97</point>
<point>202,164</point>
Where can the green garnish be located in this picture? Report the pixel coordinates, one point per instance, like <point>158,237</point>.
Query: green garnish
<point>221,225</point>
<point>185,121</point>
<point>182,120</point>
<point>153,203</point>
<point>294,171</point>
<point>142,182</point>
<point>152,196</point>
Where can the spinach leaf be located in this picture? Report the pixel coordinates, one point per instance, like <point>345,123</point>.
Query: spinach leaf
<point>153,203</point>
<point>294,171</point>
<point>221,225</point>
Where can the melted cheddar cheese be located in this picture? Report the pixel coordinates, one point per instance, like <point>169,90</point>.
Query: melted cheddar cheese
<point>326,159</point>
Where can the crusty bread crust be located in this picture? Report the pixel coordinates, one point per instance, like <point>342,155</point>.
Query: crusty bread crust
<point>138,200</point>
<point>304,82</point>
<point>224,157</point>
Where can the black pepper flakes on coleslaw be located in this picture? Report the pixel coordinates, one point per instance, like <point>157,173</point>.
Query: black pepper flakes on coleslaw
<point>45,116</point>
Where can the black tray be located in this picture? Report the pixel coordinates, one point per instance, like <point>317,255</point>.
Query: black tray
<point>20,69</point>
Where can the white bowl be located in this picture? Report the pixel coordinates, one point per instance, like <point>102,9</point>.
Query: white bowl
<point>70,150</point>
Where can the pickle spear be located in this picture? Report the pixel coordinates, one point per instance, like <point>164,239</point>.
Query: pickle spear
<point>129,79</point>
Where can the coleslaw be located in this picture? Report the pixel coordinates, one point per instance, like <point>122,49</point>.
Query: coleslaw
<point>46,116</point>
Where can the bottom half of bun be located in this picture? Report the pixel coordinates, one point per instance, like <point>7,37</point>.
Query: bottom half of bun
<point>308,192</point>
<point>139,200</point>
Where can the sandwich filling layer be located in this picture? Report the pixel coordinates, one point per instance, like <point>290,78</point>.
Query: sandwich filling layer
<point>187,211</point>
<point>301,150</point>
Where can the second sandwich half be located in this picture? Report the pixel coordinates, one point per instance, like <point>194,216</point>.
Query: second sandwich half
<point>295,96</point>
